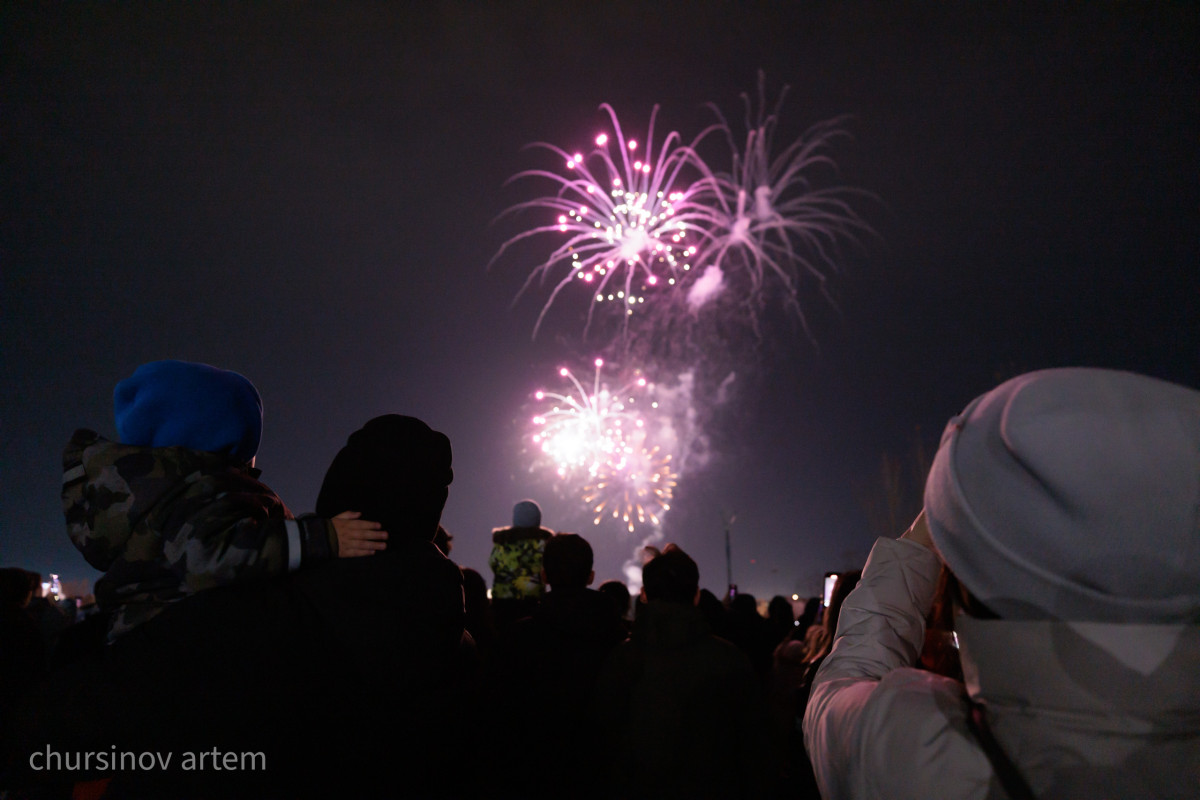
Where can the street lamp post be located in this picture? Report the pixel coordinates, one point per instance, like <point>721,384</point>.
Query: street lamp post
<point>732,589</point>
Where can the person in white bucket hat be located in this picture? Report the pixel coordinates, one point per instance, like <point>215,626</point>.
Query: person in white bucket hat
<point>1065,506</point>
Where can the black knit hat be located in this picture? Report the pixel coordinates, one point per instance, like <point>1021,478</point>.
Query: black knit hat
<point>394,470</point>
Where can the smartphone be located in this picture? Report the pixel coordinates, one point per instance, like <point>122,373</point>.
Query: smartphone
<point>830,583</point>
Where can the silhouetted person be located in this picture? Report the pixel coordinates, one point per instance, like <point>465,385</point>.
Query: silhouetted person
<point>22,652</point>
<point>618,593</point>
<point>746,628</point>
<point>51,619</point>
<point>338,664</point>
<point>177,519</point>
<point>715,613</point>
<point>176,506</point>
<point>780,619</point>
<point>516,563</point>
<point>547,671</point>
<point>479,620</point>
<point>795,664</point>
<point>682,709</point>
<point>390,627</point>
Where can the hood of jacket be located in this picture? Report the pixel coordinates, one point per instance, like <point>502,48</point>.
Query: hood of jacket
<point>1120,702</point>
<point>120,500</point>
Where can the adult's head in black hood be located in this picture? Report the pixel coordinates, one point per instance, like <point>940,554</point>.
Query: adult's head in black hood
<point>395,470</point>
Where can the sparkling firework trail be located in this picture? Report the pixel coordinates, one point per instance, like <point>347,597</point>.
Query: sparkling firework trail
<point>765,218</point>
<point>600,440</point>
<point>625,217</point>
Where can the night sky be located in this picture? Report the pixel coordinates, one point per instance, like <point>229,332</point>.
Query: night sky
<point>308,194</point>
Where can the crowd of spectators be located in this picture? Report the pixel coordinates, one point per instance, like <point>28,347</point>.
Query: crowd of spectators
<point>1033,634</point>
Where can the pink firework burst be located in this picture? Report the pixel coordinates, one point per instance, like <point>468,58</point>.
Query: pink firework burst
<point>623,216</point>
<point>767,222</point>
<point>597,442</point>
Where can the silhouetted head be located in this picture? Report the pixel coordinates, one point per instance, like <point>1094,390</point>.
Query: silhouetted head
<point>395,470</point>
<point>714,611</point>
<point>672,576</point>
<point>780,611</point>
<point>15,590</point>
<point>743,605</point>
<point>618,593</point>
<point>567,561</point>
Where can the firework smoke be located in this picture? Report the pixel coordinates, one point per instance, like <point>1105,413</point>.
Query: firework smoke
<point>693,252</point>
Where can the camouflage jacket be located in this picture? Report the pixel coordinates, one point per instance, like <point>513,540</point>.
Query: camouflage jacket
<point>164,523</point>
<point>516,561</point>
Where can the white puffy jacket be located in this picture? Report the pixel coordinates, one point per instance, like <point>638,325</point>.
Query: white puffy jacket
<point>1082,709</point>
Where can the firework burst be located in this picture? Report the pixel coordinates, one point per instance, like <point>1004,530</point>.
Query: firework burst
<point>765,220</point>
<point>623,216</point>
<point>599,439</point>
<point>636,489</point>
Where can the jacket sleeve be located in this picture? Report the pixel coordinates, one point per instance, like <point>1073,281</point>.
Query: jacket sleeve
<point>247,533</point>
<point>874,727</point>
